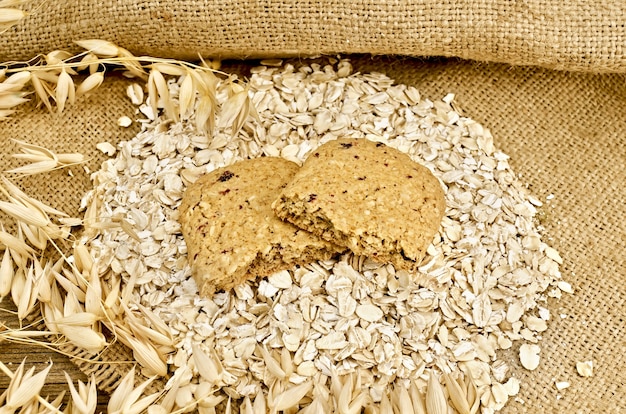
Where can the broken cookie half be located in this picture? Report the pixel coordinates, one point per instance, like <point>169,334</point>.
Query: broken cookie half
<point>367,196</point>
<point>231,231</point>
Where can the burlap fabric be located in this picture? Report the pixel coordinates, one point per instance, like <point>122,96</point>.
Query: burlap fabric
<point>563,130</point>
<point>574,35</point>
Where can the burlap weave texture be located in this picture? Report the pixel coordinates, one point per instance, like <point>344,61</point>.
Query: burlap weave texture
<point>588,36</point>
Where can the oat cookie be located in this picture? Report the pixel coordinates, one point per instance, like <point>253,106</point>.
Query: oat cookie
<point>231,232</point>
<point>368,197</point>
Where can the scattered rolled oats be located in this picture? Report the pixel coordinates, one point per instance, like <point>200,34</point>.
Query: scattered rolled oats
<point>107,148</point>
<point>529,356</point>
<point>565,286</point>
<point>482,286</point>
<point>585,368</point>
<point>124,121</point>
<point>561,385</point>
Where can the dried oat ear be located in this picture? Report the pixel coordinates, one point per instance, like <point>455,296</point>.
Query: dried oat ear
<point>51,78</point>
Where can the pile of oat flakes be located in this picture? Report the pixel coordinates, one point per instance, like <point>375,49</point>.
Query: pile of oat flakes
<point>483,284</point>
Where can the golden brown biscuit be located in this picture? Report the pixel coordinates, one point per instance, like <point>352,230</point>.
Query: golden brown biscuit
<point>231,232</point>
<point>368,197</point>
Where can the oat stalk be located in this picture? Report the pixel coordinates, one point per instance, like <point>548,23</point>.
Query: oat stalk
<point>51,77</point>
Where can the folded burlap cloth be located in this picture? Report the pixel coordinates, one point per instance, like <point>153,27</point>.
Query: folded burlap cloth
<point>564,130</point>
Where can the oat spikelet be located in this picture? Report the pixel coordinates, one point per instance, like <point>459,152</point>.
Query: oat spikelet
<point>91,218</point>
<point>473,398</point>
<point>82,258</point>
<point>208,368</point>
<point>6,274</point>
<point>344,396</point>
<point>270,363</point>
<point>35,236</point>
<point>15,244</point>
<point>260,405</point>
<point>159,92</point>
<point>58,57</point>
<point>436,402</point>
<point>286,362</point>
<point>15,82</point>
<point>111,293</point>
<point>235,110</point>
<point>16,376</point>
<point>10,100</point>
<point>148,356</point>
<point>186,96</point>
<point>6,113</point>
<point>205,115</point>
<point>401,400</point>
<point>85,399</point>
<point>9,333</point>
<point>155,337</point>
<point>18,285</point>
<point>51,310</point>
<point>457,394</point>
<point>71,288</point>
<point>90,83</point>
<point>140,329</point>
<point>246,406</point>
<point>313,408</point>
<point>89,61</point>
<point>28,389</point>
<point>49,76</point>
<point>385,406</point>
<point>123,389</point>
<point>155,322</point>
<point>6,87</point>
<point>169,68</point>
<point>44,280</point>
<point>84,319</point>
<point>65,90</point>
<point>101,48</point>
<point>131,63</point>
<point>153,93</point>
<point>24,214</point>
<point>36,152</point>
<point>291,397</point>
<point>83,337</point>
<point>35,168</point>
<point>43,91</point>
<point>15,191</point>
<point>359,402</point>
<point>166,404</point>
<point>205,83</point>
<point>25,293</point>
<point>9,17</point>
<point>133,404</point>
<point>66,159</point>
<point>93,295</point>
